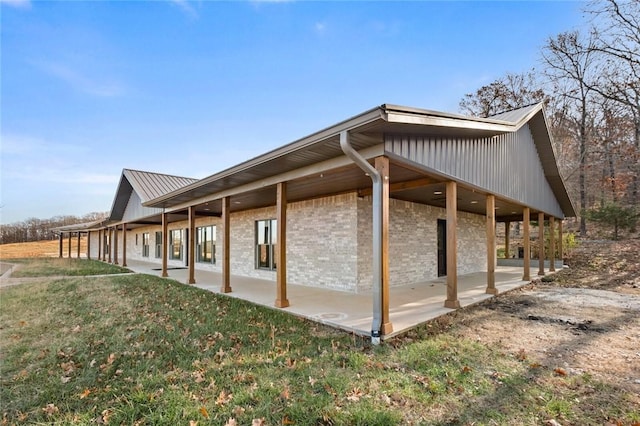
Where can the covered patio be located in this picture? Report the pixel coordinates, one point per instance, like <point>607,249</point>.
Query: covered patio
<point>409,305</point>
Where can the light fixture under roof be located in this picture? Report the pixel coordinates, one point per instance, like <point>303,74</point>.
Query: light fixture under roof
<point>474,201</point>
<point>437,192</point>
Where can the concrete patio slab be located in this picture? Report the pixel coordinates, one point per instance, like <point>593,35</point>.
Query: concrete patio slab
<point>410,305</point>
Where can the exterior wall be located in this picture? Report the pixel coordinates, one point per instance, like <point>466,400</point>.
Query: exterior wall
<point>93,245</point>
<point>329,243</point>
<point>413,243</point>
<point>320,231</point>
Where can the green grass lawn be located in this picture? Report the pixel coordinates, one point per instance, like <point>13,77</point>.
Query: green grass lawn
<point>43,267</point>
<point>138,349</point>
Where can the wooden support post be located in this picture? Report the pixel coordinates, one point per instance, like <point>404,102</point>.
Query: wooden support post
<point>69,247</point>
<point>115,245</point>
<point>192,245</point>
<point>78,248</point>
<point>226,245</point>
<point>165,240</point>
<point>560,238</point>
<point>526,239</point>
<point>109,243</point>
<point>507,239</point>
<point>382,166</point>
<point>88,245</point>
<point>491,245</point>
<point>452,247</point>
<point>552,244</point>
<point>124,244</point>
<point>540,243</point>
<point>60,238</point>
<point>281,246</point>
<point>100,242</point>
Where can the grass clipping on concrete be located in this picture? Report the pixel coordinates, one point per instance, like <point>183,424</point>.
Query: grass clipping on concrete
<point>140,350</point>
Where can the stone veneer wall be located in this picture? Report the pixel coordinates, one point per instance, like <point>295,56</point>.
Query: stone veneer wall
<point>413,242</point>
<point>321,242</point>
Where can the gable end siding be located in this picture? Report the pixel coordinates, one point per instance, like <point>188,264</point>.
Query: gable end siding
<point>135,209</point>
<point>507,165</point>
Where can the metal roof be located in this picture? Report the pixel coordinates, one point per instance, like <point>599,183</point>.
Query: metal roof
<point>301,161</point>
<point>147,185</point>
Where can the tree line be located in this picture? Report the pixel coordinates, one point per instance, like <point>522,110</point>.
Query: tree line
<point>590,84</point>
<point>34,229</point>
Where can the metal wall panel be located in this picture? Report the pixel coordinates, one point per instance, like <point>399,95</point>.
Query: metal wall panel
<point>135,209</point>
<point>506,165</point>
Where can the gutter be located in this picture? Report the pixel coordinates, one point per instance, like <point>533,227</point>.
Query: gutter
<point>376,179</point>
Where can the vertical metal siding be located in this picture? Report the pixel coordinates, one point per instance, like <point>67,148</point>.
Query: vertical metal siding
<point>507,165</point>
<point>135,209</point>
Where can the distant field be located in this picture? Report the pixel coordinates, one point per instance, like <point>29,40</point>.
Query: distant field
<point>42,249</point>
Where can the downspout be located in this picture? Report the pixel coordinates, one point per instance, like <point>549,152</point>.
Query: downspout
<point>376,179</point>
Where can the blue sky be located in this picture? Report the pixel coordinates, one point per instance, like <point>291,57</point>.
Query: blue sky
<point>193,87</point>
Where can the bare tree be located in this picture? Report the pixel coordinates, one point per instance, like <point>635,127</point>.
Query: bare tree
<point>570,63</point>
<point>506,93</point>
<point>617,36</point>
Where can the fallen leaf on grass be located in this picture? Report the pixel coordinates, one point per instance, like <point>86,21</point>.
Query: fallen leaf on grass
<point>223,398</point>
<point>312,381</point>
<point>258,422</point>
<point>231,422</point>
<point>204,412</point>
<point>50,409</point>
<point>193,423</point>
<point>560,372</point>
<point>286,421</point>
<point>285,393</point>
<point>85,393</point>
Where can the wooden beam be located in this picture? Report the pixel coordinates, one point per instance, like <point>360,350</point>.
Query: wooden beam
<point>560,239</point>
<point>109,243</point>
<point>552,244</point>
<point>192,245</point>
<point>115,245</point>
<point>400,186</point>
<point>88,245</point>
<point>526,238</point>
<point>382,166</point>
<point>491,245</point>
<point>165,241</point>
<point>452,249</point>
<point>124,244</point>
<point>507,239</point>
<point>281,246</point>
<point>78,248</point>
<point>540,243</point>
<point>226,245</point>
<point>60,238</point>
<point>100,244</point>
<point>69,247</point>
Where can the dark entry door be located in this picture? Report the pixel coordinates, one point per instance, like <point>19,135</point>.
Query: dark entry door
<point>442,247</point>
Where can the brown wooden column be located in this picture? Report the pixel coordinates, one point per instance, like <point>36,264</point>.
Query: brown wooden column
<point>78,248</point>
<point>491,245</point>
<point>69,248</point>
<point>281,246</point>
<point>382,166</point>
<point>165,240</point>
<point>60,238</point>
<point>124,244</point>
<point>507,239</point>
<point>109,243</point>
<point>226,245</point>
<point>552,244</point>
<point>560,239</point>
<point>115,245</point>
<point>526,238</point>
<point>192,245</point>
<point>100,242</point>
<point>452,247</point>
<point>88,245</point>
<point>540,243</point>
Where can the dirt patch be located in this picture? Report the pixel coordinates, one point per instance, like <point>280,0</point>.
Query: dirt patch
<point>586,321</point>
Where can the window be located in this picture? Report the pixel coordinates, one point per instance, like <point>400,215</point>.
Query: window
<point>175,244</point>
<point>145,244</point>
<point>158,244</point>
<point>206,244</point>
<point>266,244</point>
